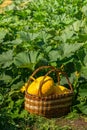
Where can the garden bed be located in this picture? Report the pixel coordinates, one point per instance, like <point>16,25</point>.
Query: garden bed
<point>35,33</point>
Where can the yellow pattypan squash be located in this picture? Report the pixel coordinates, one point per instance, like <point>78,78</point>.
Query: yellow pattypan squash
<point>46,89</point>
<point>61,90</point>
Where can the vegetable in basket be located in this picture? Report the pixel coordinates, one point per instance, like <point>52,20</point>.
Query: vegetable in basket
<point>46,89</point>
<point>61,90</point>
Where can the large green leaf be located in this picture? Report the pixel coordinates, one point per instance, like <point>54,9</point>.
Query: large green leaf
<point>27,59</point>
<point>16,41</point>
<point>65,50</point>
<point>67,34</point>
<point>17,86</point>
<point>35,56</point>
<point>82,37</point>
<point>6,78</point>
<point>3,32</point>
<point>77,25</point>
<point>84,71</point>
<point>22,60</point>
<point>6,58</point>
<point>83,108</point>
<point>70,49</point>
<point>84,10</point>
<point>81,54</point>
<point>54,55</point>
<point>26,36</point>
<point>83,91</point>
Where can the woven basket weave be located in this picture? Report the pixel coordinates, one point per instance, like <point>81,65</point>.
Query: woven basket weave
<point>49,106</point>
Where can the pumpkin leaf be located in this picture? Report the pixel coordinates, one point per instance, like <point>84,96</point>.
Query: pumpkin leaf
<point>83,108</point>
<point>84,71</point>
<point>3,33</point>
<point>27,59</point>
<point>6,78</point>
<point>83,91</point>
<point>6,58</point>
<point>22,60</point>
<point>70,49</point>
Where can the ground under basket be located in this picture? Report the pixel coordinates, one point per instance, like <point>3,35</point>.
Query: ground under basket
<point>49,106</point>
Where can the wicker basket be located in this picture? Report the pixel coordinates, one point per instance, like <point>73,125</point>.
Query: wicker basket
<point>49,106</point>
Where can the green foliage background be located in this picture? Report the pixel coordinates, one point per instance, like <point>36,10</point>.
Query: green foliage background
<point>41,32</point>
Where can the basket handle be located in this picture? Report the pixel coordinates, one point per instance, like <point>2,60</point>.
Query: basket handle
<point>36,71</point>
<point>53,69</point>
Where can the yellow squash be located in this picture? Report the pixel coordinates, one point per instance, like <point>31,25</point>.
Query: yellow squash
<point>61,90</point>
<point>46,89</point>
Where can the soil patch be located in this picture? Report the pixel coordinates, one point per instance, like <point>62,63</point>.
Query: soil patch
<point>73,124</point>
